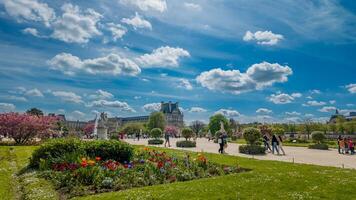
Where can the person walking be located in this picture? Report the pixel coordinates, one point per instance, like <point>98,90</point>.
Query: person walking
<point>351,146</point>
<point>274,144</point>
<point>221,144</point>
<point>342,146</point>
<point>346,146</point>
<point>166,138</point>
<point>266,142</point>
<point>280,143</point>
<point>338,144</point>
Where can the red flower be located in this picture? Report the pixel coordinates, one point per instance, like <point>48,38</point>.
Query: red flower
<point>97,158</point>
<point>84,163</point>
<point>160,164</point>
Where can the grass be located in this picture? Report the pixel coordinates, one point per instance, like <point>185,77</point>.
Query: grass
<point>267,180</point>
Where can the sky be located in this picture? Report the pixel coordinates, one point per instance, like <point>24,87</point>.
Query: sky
<point>251,60</point>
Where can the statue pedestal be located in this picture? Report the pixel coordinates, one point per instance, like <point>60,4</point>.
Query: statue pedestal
<point>102,133</point>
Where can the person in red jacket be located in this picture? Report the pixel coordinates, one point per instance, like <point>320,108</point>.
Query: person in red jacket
<point>351,146</point>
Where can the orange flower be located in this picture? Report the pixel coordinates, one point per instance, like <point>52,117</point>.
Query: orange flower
<point>91,162</point>
<point>84,163</point>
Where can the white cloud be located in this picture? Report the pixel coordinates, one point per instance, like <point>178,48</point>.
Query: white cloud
<point>184,83</point>
<point>292,119</point>
<point>351,88</point>
<point>122,106</point>
<point>76,26</point>
<point>263,37</point>
<point>152,107</point>
<point>34,92</point>
<point>346,111</point>
<point>309,115</point>
<point>228,113</point>
<point>78,114</point>
<point>350,104</point>
<point>294,113</point>
<point>296,95</point>
<point>14,98</point>
<point>263,111</point>
<point>137,22</point>
<point>257,77</point>
<point>197,110</point>
<point>31,31</point>
<point>332,101</point>
<point>192,6</point>
<point>30,10</point>
<point>101,94</point>
<point>110,64</point>
<point>117,30</point>
<point>309,97</point>
<point>314,103</point>
<point>281,98</point>
<point>146,5</point>
<point>315,91</point>
<point>68,96</point>
<point>137,97</point>
<point>327,109</point>
<point>163,57</point>
<point>7,107</point>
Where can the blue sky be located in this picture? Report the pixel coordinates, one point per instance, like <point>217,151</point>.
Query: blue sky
<point>281,61</point>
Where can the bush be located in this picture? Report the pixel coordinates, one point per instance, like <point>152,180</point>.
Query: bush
<point>57,148</point>
<point>318,137</point>
<point>320,146</point>
<point>251,135</point>
<point>252,149</point>
<point>187,133</point>
<point>155,141</point>
<point>186,143</point>
<point>156,133</point>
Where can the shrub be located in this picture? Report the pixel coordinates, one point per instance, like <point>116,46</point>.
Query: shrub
<point>251,135</point>
<point>156,133</point>
<point>320,146</point>
<point>318,137</point>
<point>187,133</point>
<point>186,143</point>
<point>58,148</point>
<point>252,149</point>
<point>155,141</point>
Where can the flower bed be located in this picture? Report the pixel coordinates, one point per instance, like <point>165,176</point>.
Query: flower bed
<point>147,167</point>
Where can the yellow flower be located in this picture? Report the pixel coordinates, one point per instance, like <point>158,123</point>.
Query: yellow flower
<point>84,159</point>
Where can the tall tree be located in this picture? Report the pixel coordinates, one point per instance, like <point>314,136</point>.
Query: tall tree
<point>34,111</point>
<point>197,126</point>
<point>156,120</point>
<point>214,123</point>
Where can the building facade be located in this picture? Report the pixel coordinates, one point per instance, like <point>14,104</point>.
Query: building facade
<point>172,113</point>
<point>334,118</point>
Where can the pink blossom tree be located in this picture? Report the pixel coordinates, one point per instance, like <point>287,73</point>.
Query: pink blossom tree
<point>24,127</point>
<point>171,130</point>
<point>88,129</point>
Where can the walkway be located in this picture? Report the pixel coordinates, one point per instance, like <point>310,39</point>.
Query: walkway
<point>298,154</point>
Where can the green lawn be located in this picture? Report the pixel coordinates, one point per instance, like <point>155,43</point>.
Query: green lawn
<point>267,180</point>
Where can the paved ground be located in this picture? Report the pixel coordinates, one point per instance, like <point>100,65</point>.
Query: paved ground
<point>298,154</point>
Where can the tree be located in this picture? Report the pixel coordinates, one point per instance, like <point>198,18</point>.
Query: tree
<point>34,111</point>
<point>171,130</point>
<point>251,135</point>
<point>197,126</point>
<point>332,128</point>
<point>187,133</point>
<point>132,128</point>
<point>88,129</point>
<point>350,127</point>
<point>156,120</point>
<point>265,129</point>
<point>214,123</point>
<point>24,127</point>
<point>278,131</point>
<point>318,137</point>
<point>156,133</point>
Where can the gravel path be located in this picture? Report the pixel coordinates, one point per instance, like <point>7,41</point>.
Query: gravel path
<point>298,154</point>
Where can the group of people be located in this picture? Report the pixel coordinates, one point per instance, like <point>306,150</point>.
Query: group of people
<point>345,145</point>
<point>276,141</point>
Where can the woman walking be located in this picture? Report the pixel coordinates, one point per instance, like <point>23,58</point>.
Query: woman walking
<point>280,143</point>
<point>275,144</point>
<point>221,143</point>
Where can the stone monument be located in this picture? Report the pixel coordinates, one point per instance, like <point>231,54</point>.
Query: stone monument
<point>102,129</point>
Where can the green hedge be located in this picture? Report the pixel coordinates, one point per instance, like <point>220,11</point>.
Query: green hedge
<point>321,146</point>
<point>155,141</point>
<point>70,149</point>
<point>186,143</point>
<point>252,149</point>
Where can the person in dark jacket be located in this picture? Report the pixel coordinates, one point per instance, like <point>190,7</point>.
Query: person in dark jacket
<point>266,142</point>
<point>275,144</point>
<point>221,143</point>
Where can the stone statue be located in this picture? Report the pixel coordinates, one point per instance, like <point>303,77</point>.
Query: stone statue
<point>102,127</point>
<point>222,130</point>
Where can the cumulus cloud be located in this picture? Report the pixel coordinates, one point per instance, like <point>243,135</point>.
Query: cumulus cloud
<point>34,92</point>
<point>163,57</point>
<point>29,10</point>
<point>78,114</point>
<point>351,88</point>
<point>184,83</point>
<point>110,64</point>
<point>327,109</point>
<point>263,111</point>
<point>197,110</point>
<point>228,113</point>
<point>76,26</point>
<point>68,96</point>
<point>147,5</point>
<point>282,98</point>
<point>117,30</point>
<point>296,95</point>
<point>101,94</point>
<point>263,37</point>
<point>122,106</point>
<point>31,31</point>
<point>137,22</point>
<point>294,113</point>
<point>314,103</point>
<point>7,107</point>
<point>192,6</point>
<point>315,91</point>
<point>152,107</point>
<point>14,98</point>
<point>257,76</point>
